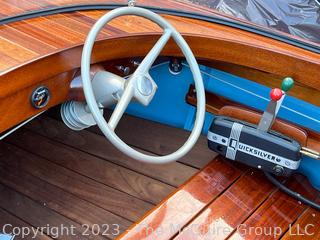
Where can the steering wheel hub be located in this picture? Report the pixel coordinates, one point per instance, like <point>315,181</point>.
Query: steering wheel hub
<point>145,85</point>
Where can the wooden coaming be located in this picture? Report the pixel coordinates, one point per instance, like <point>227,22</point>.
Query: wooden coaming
<point>37,50</point>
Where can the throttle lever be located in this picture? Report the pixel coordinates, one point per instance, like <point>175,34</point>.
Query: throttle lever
<point>277,96</point>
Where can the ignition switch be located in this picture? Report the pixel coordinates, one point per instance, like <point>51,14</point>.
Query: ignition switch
<point>175,66</point>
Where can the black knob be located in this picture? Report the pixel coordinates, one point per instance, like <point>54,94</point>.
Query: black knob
<point>175,66</point>
<point>278,170</point>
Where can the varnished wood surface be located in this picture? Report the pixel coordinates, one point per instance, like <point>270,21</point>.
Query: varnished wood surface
<point>167,219</point>
<point>50,174</point>
<point>17,107</point>
<point>217,42</point>
<point>36,51</point>
<point>10,8</point>
<point>251,208</point>
<point>253,117</point>
<point>225,214</point>
<point>72,178</point>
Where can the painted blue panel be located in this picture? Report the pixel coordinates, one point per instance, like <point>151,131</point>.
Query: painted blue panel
<point>169,106</point>
<point>257,96</point>
<point>6,237</point>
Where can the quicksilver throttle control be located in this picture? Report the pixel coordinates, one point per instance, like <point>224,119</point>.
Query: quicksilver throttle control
<point>258,146</point>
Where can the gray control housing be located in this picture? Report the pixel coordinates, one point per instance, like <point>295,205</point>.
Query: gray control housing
<point>243,142</point>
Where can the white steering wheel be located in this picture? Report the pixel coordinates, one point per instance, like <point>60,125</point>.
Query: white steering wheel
<point>140,85</point>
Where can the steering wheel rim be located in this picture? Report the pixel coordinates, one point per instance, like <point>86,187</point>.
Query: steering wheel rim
<point>93,105</point>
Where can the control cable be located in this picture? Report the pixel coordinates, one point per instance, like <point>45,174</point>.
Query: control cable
<point>292,193</point>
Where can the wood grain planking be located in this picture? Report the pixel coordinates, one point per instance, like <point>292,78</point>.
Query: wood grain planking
<point>10,9</point>
<point>6,62</point>
<point>173,173</point>
<point>274,216</point>
<point>16,7</point>
<point>170,4</point>
<point>25,40</point>
<point>9,221</point>
<point>95,16</point>
<point>127,24</point>
<point>38,215</point>
<point>51,39</point>
<point>165,139</point>
<point>306,227</point>
<point>42,4</point>
<point>64,203</point>
<point>70,23</point>
<point>230,209</point>
<point>82,23</point>
<point>222,53</point>
<point>68,35</point>
<point>85,188</point>
<point>174,212</point>
<point>110,174</point>
<point>190,26</point>
<point>81,17</point>
<point>15,51</point>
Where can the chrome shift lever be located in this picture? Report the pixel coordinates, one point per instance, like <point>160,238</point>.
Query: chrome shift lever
<point>277,96</point>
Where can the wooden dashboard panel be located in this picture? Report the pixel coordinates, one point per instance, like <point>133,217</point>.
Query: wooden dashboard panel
<point>17,107</point>
<point>40,49</point>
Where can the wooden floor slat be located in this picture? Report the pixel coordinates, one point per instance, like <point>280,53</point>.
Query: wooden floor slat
<point>225,214</point>
<point>99,194</point>
<point>165,140</point>
<point>169,217</point>
<point>173,174</point>
<point>52,165</point>
<point>52,175</point>
<point>273,218</point>
<point>38,215</point>
<point>110,174</point>
<point>12,222</point>
<point>66,204</point>
<point>306,227</point>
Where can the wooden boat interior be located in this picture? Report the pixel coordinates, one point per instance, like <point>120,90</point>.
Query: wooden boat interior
<point>52,176</point>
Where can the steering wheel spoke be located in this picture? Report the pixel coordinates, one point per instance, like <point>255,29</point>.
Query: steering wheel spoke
<point>148,61</point>
<point>121,106</point>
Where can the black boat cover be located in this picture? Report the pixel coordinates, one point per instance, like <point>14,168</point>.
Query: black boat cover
<point>296,17</point>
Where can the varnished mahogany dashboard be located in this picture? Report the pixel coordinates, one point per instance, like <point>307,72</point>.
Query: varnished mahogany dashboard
<point>47,50</point>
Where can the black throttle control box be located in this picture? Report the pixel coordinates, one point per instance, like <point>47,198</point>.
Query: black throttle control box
<point>243,142</point>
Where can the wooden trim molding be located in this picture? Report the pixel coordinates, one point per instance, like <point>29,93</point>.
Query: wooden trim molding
<point>36,51</point>
<point>302,68</point>
<point>17,107</point>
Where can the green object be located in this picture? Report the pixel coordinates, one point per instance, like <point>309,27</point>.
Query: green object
<point>287,84</point>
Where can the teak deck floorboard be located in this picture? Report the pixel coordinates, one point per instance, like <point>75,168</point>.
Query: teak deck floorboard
<point>51,175</point>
